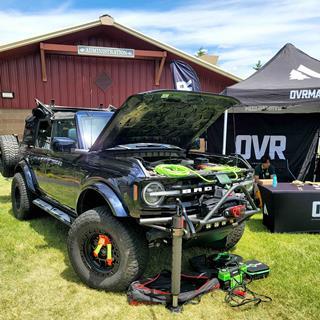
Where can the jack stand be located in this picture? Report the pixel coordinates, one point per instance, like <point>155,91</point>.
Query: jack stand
<point>177,234</point>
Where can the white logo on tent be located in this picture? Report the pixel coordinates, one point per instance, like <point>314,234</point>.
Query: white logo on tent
<point>246,145</point>
<point>265,210</point>
<point>316,209</point>
<point>182,85</point>
<point>302,73</point>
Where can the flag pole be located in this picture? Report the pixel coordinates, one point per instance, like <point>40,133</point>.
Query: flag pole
<point>225,128</point>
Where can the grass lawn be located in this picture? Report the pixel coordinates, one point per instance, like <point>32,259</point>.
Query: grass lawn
<point>37,281</point>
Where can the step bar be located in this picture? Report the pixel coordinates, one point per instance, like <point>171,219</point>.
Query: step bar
<point>55,212</point>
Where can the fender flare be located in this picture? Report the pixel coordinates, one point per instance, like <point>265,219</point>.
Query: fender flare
<point>117,207</point>
<point>28,175</point>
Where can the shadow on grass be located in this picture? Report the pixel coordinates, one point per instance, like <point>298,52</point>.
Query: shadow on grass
<point>55,234</point>
<point>256,225</point>
<point>160,258</point>
<point>5,198</point>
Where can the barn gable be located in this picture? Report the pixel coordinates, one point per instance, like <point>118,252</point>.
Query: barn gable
<point>50,67</point>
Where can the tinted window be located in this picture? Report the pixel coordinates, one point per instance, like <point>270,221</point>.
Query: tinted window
<point>65,128</point>
<point>44,135</point>
<point>30,129</point>
<point>90,126</point>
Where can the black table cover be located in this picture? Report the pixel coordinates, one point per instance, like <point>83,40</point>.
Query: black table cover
<point>289,208</point>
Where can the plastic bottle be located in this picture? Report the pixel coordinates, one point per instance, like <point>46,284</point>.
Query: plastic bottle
<point>274,181</point>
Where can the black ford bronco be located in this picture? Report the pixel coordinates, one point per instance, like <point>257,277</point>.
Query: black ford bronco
<point>117,178</point>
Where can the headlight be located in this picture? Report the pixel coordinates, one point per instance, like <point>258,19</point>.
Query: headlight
<point>152,200</point>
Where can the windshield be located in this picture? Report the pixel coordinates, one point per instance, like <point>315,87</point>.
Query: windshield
<point>90,125</point>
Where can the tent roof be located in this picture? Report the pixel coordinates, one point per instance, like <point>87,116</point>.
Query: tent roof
<point>290,78</point>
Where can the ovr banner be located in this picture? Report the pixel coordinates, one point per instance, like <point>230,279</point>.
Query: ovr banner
<point>289,139</point>
<point>184,77</point>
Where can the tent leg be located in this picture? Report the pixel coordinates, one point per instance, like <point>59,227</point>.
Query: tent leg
<point>225,128</point>
<point>317,159</point>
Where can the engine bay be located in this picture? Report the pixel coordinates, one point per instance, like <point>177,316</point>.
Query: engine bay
<point>200,167</point>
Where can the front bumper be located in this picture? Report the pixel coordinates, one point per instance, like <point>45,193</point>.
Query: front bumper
<point>204,224</point>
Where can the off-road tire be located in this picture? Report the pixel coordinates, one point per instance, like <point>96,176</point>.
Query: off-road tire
<point>234,237</point>
<point>9,155</point>
<point>21,198</point>
<point>230,240</point>
<point>132,247</point>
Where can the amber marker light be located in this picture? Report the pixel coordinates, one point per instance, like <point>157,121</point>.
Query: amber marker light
<point>135,192</point>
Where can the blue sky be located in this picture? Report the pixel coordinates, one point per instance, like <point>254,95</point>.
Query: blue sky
<point>240,32</point>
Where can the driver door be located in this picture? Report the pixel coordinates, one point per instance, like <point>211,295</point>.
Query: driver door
<point>61,184</point>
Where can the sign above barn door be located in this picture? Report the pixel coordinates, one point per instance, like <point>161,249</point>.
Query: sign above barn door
<point>105,52</point>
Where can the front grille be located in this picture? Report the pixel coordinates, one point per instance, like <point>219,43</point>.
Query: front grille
<point>170,210</point>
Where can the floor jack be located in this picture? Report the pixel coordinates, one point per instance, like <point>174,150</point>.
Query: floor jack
<point>177,229</point>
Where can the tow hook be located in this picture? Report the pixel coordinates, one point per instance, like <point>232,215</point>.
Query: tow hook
<point>235,211</point>
<point>104,241</point>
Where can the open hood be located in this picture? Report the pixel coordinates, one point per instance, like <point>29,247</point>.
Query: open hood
<point>165,116</point>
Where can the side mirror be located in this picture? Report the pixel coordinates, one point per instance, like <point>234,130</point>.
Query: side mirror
<point>195,144</point>
<point>62,144</point>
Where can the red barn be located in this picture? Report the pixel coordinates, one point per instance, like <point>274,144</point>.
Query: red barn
<point>87,65</point>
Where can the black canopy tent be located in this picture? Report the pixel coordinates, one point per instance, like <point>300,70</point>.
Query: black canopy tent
<point>279,114</point>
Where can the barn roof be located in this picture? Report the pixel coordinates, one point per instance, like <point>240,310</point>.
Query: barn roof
<point>109,21</point>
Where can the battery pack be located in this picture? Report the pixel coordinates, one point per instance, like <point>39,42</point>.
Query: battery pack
<point>256,269</point>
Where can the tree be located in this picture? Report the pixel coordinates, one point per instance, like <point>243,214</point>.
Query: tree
<point>201,52</point>
<point>258,65</point>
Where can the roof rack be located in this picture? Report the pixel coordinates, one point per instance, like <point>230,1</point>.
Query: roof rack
<point>76,109</point>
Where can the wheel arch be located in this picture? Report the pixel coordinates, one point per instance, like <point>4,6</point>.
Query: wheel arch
<point>23,167</point>
<point>99,194</point>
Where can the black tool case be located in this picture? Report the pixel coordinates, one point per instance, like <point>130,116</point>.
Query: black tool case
<point>210,265</point>
<point>256,269</point>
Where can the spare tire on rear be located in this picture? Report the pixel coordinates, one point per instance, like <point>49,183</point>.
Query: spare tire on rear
<point>9,155</point>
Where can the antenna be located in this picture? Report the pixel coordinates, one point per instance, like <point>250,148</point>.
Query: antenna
<point>44,107</point>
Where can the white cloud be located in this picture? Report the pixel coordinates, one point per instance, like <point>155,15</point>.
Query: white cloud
<point>241,32</point>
